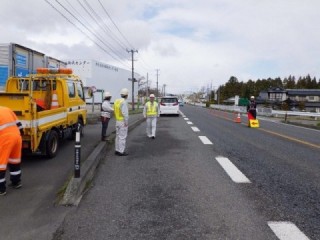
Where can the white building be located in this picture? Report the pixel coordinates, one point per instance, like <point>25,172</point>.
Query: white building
<point>104,77</point>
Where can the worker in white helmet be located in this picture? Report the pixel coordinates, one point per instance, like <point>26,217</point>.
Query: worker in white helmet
<point>151,112</point>
<point>106,113</point>
<point>252,107</point>
<point>121,113</point>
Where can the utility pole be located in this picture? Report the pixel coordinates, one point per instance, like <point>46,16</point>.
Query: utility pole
<point>132,74</point>
<point>157,83</point>
<point>147,91</point>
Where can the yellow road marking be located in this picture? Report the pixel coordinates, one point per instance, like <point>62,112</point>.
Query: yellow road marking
<point>291,138</point>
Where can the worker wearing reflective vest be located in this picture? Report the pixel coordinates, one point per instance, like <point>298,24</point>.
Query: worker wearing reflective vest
<point>121,114</point>
<point>10,148</point>
<point>151,112</point>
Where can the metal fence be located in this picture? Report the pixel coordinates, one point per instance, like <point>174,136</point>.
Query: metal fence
<point>262,111</point>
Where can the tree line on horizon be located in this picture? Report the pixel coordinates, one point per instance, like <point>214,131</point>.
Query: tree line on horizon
<point>252,88</point>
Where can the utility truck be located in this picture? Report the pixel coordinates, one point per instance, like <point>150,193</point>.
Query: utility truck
<point>50,105</point>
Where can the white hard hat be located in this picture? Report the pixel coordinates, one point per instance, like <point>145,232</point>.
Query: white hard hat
<point>107,94</point>
<point>252,97</point>
<point>151,95</point>
<point>124,91</point>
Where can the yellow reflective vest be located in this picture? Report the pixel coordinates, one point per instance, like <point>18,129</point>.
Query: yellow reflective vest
<point>152,110</point>
<point>117,110</point>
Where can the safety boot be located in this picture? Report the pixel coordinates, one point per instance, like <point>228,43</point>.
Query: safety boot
<point>15,185</point>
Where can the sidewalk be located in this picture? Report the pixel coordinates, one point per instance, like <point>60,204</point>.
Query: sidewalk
<point>33,212</point>
<point>77,186</point>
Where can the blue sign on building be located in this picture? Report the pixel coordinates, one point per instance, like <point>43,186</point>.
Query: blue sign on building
<point>3,75</point>
<point>21,72</point>
<point>21,60</point>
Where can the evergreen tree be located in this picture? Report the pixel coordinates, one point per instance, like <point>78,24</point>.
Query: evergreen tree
<point>301,83</point>
<point>289,83</point>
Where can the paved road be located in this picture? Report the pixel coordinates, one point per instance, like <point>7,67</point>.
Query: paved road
<point>174,187</point>
<point>181,185</point>
<point>167,188</point>
<point>32,212</point>
<point>282,162</point>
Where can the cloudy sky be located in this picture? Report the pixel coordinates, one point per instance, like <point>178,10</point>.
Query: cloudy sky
<point>192,43</point>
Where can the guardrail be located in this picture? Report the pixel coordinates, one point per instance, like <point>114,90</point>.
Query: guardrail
<point>295,113</point>
<point>261,111</point>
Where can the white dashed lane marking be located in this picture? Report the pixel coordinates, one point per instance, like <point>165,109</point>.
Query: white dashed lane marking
<point>205,140</point>
<point>283,230</point>
<point>287,231</point>
<point>195,129</point>
<point>235,174</point>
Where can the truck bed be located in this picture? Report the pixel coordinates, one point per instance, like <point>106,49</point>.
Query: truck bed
<point>18,102</point>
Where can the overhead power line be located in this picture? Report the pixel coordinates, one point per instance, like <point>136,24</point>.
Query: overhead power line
<point>88,29</point>
<point>115,25</point>
<point>99,21</point>
<point>93,25</point>
<point>114,55</point>
<point>86,21</point>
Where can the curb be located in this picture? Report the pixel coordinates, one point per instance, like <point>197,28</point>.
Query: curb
<point>77,186</point>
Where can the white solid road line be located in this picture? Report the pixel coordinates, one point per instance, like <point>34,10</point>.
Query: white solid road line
<point>205,140</point>
<point>287,231</point>
<point>195,129</point>
<point>235,174</point>
<point>190,123</point>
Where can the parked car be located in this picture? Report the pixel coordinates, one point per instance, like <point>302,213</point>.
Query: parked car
<point>169,105</point>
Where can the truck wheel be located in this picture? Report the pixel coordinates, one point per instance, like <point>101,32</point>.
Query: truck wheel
<point>52,144</point>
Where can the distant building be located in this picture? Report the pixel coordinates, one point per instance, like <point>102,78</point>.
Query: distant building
<point>276,96</point>
<point>104,77</point>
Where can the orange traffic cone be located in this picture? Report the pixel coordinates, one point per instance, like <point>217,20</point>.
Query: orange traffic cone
<point>54,102</point>
<point>237,118</point>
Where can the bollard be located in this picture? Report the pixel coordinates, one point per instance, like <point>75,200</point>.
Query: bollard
<point>285,117</point>
<point>77,156</point>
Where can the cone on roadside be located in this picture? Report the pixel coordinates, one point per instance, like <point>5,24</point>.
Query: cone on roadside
<point>237,118</point>
<point>54,101</point>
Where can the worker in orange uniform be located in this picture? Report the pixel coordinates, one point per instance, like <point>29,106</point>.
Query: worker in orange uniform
<point>10,149</point>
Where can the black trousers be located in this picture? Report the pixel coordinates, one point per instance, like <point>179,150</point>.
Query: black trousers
<point>104,123</point>
<point>253,113</point>
<point>15,175</point>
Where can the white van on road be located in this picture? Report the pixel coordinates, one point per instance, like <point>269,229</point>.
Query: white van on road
<point>169,105</point>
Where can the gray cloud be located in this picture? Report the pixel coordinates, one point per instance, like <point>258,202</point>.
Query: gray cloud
<point>192,42</point>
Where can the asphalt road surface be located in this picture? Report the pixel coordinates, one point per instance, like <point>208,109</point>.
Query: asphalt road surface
<point>32,212</point>
<point>205,177</point>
